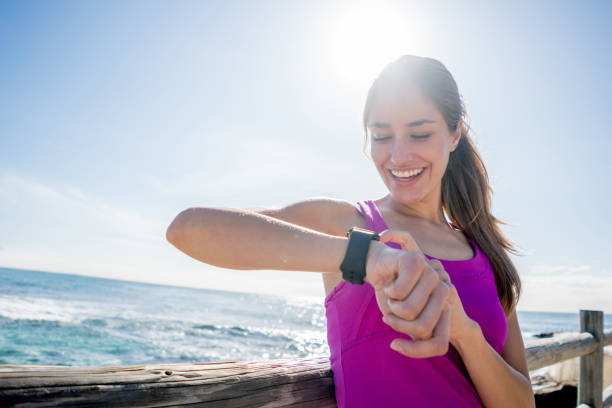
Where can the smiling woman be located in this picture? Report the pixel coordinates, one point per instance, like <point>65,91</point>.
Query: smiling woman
<point>421,293</point>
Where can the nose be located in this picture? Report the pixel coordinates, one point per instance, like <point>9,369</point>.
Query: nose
<point>402,152</point>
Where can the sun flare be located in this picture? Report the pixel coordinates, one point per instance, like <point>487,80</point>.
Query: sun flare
<point>366,37</point>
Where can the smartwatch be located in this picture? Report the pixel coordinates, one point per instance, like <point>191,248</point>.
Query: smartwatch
<point>353,265</point>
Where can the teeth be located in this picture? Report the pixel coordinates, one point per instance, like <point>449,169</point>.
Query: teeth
<point>407,173</point>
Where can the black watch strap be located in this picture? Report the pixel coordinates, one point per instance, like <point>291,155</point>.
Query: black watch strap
<point>353,265</point>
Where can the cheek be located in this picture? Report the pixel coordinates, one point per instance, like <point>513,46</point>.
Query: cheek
<point>378,155</point>
<point>441,163</point>
<point>439,153</point>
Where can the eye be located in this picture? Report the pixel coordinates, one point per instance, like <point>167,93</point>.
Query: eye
<point>424,136</point>
<point>377,138</point>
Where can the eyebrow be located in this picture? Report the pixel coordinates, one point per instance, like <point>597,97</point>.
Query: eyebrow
<point>409,124</point>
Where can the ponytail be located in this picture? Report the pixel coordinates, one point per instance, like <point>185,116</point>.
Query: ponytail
<point>466,199</point>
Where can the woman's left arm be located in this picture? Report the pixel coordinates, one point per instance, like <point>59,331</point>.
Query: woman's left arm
<point>501,381</point>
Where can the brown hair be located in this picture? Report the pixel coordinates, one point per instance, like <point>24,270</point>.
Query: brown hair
<point>466,194</point>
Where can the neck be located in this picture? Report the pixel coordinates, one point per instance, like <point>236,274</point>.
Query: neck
<point>430,210</point>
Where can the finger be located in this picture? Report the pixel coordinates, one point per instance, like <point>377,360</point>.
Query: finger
<point>401,237</point>
<point>410,307</point>
<point>383,304</point>
<point>435,346</point>
<point>410,270</point>
<point>445,278</point>
<point>423,326</point>
<point>438,267</point>
<point>436,264</point>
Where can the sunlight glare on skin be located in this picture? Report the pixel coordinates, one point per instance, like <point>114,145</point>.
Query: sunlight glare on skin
<point>365,37</point>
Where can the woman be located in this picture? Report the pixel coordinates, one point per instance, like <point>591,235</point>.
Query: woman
<point>425,317</point>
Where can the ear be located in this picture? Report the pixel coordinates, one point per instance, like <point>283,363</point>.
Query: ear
<point>456,136</point>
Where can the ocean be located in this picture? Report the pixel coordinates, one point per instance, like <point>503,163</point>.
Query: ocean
<point>61,319</point>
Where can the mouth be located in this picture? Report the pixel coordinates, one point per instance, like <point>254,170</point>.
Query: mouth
<point>406,175</point>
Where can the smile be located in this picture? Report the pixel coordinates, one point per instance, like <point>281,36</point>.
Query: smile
<point>406,174</point>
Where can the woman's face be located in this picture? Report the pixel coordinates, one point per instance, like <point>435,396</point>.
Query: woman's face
<point>410,145</point>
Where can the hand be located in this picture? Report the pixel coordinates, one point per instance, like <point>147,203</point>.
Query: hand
<point>411,295</point>
<point>461,326</point>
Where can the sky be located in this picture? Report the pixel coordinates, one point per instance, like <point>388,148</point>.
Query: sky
<point>117,115</point>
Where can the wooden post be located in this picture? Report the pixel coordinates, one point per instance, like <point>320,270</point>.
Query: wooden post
<point>590,388</point>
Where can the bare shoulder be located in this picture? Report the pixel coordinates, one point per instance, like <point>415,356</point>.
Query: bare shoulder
<point>328,215</point>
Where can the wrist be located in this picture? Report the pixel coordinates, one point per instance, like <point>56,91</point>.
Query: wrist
<point>372,273</point>
<point>471,336</point>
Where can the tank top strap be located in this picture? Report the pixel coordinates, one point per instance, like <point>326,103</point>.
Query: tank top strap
<point>374,220</point>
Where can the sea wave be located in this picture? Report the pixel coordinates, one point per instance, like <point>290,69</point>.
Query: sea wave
<point>37,308</point>
<point>60,319</point>
<point>40,330</point>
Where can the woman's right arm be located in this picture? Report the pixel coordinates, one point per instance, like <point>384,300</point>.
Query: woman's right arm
<point>245,239</point>
<point>284,239</point>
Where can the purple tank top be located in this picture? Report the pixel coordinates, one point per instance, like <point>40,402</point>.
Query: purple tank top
<point>368,373</point>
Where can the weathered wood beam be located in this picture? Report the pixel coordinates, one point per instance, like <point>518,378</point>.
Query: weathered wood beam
<point>544,352</point>
<point>277,383</point>
<point>590,386</point>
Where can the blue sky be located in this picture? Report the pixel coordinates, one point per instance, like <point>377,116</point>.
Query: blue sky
<point>115,116</point>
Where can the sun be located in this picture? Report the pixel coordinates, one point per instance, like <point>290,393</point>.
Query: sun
<point>365,37</point>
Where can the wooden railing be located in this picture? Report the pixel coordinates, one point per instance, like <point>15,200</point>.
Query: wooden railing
<point>276,383</point>
<point>588,345</point>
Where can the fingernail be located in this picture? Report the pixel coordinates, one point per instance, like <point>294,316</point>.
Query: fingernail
<point>394,346</point>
